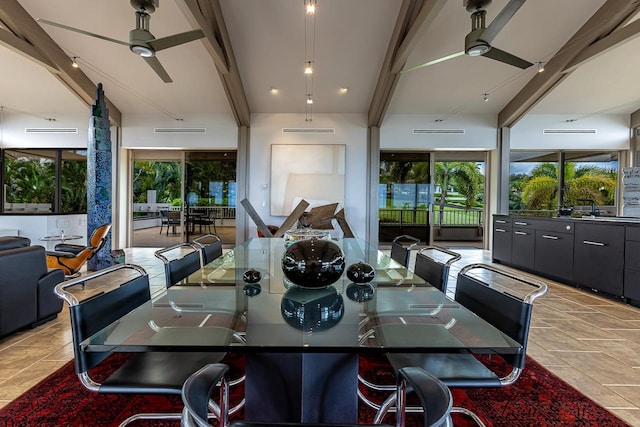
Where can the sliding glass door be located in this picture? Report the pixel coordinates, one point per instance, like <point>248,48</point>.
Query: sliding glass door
<point>180,195</point>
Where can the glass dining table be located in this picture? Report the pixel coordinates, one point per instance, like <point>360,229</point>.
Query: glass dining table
<point>301,345</point>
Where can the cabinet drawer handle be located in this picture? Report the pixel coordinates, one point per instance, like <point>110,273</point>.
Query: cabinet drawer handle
<point>521,233</point>
<point>501,221</point>
<point>520,223</point>
<point>500,230</point>
<point>546,236</point>
<point>589,242</point>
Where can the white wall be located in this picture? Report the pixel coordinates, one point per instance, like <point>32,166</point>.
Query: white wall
<point>480,132</point>
<point>37,226</point>
<point>221,132</point>
<point>612,133</point>
<point>350,129</point>
<point>14,136</point>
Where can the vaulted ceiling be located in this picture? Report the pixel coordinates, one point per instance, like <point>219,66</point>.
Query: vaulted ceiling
<point>588,47</point>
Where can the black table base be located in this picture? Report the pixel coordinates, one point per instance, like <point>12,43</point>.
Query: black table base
<point>307,387</point>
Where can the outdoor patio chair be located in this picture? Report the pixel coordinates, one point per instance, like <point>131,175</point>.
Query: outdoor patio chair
<point>490,293</point>
<point>180,261</point>
<point>401,249</point>
<point>199,405</point>
<point>152,372</point>
<point>433,266</point>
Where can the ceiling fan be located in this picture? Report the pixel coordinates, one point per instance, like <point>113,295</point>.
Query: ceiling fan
<point>478,41</point>
<point>141,41</point>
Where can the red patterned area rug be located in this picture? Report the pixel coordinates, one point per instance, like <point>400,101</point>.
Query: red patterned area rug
<point>538,398</point>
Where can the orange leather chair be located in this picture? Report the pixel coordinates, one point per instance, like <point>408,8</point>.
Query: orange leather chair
<point>71,258</point>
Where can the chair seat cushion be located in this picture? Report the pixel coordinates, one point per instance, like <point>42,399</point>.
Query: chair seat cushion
<point>157,372</point>
<point>61,254</point>
<point>67,247</point>
<point>455,370</point>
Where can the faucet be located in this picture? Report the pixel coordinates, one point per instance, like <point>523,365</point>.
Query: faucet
<point>594,212</point>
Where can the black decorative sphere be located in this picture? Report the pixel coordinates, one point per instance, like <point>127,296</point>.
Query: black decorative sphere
<point>251,276</point>
<point>251,289</point>
<point>313,263</point>
<point>359,292</point>
<point>361,272</point>
<point>312,309</point>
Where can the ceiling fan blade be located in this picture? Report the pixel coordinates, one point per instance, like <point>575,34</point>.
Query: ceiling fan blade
<point>507,58</point>
<point>435,61</point>
<point>158,68</point>
<point>77,30</point>
<point>501,20</point>
<point>175,40</point>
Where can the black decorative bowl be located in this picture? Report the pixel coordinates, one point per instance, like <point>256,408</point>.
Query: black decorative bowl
<point>312,309</point>
<point>359,292</point>
<point>252,276</point>
<point>361,272</point>
<point>313,263</point>
<point>251,289</point>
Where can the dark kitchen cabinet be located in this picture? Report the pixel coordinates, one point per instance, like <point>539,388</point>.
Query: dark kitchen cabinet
<point>554,254</point>
<point>502,239</point>
<point>598,261</point>
<point>632,264</point>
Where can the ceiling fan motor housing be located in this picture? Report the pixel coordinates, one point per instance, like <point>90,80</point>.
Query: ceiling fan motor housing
<point>148,6</point>
<point>470,5</point>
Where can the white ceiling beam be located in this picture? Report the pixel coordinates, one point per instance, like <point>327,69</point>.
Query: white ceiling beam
<point>19,22</point>
<point>193,11</point>
<point>635,119</point>
<point>208,16</point>
<point>613,40</point>
<point>413,20</point>
<point>609,17</point>
<point>24,48</point>
<point>418,27</point>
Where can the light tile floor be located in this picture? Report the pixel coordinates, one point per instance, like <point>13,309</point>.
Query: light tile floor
<point>590,341</point>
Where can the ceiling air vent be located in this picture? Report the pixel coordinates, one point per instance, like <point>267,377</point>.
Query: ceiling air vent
<point>309,130</point>
<point>569,131</point>
<point>51,130</point>
<point>438,131</point>
<point>179,130</point>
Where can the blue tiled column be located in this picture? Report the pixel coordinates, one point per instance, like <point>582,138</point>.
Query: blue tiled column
<point>99,192</point>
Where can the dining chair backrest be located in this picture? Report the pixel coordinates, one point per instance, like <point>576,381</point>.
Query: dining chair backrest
<point>210,247</point>
<point>433,264</point>
<point>489,296</point>
<point>401,249</point>
<point>96,313</point>
<point>180,261</point>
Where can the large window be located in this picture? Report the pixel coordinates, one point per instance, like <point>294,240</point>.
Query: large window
<point>44,181</point>
<point>541,182</point>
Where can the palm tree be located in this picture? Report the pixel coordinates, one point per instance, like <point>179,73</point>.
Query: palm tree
<point>465,177</point>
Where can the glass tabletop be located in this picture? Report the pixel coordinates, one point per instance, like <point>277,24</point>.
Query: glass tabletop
<point>217,311</point>
<point>61,238</point>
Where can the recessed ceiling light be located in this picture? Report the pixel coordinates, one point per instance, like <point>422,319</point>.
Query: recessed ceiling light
<point>344,89</point>
<point>274,91</point>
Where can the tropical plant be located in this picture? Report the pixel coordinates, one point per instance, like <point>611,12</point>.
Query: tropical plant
<point>583,183</point>
<point>464,177</point>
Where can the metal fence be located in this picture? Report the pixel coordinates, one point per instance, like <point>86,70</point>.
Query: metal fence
<point>450,217</point>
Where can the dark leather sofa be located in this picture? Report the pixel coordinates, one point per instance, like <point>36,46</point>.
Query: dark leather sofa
<point>27,298</point>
